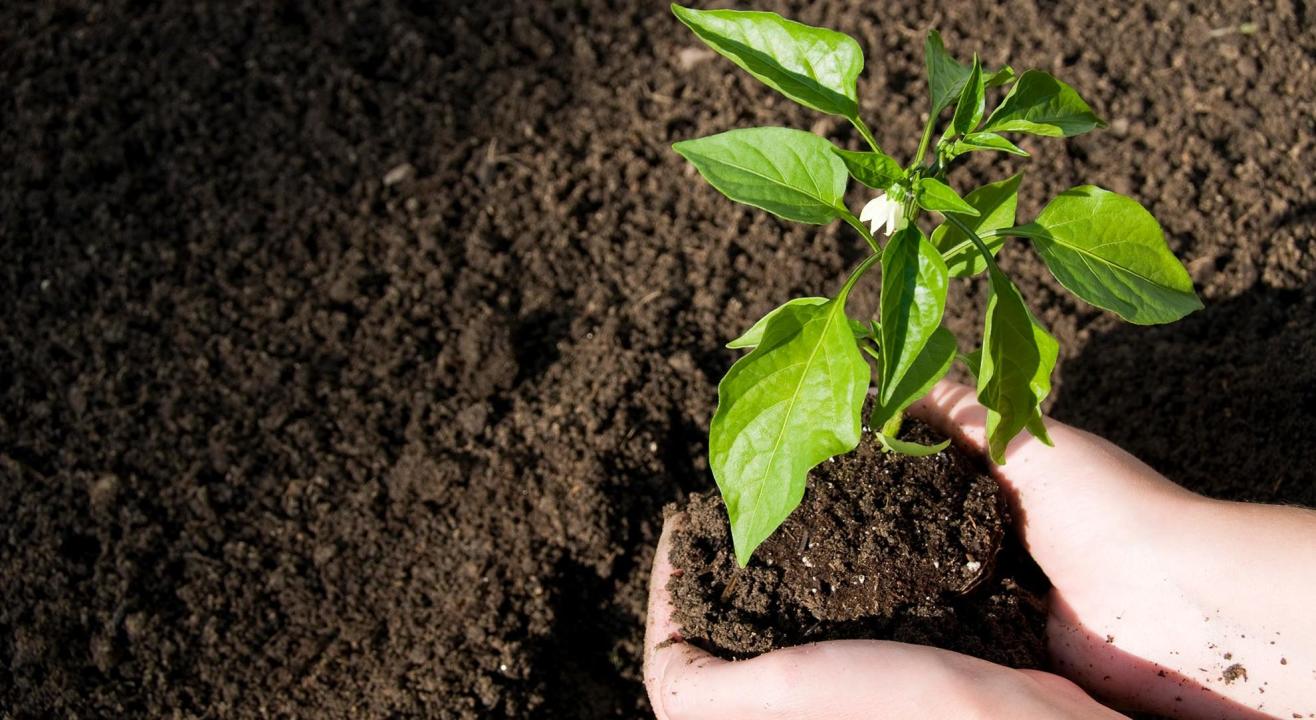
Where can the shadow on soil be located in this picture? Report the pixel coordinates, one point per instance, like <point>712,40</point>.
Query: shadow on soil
<point>1202,400</point>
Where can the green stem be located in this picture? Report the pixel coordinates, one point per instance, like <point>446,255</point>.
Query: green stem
<point>858,225</point>
<point>857,273</point>
<point>1027,231</point>
<point>973,236</point>
<point>909,213</point>
<point>1031,230</point>
<point>927,138</point>
<point>867,134</point>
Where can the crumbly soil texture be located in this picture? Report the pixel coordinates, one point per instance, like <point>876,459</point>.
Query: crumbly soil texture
<point>350,351</point>
<point>881,547</point>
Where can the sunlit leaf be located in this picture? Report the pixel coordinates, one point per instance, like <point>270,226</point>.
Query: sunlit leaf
<point>792,402</point>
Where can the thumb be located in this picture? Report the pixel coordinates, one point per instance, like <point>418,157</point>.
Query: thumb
<point>1084,492</point>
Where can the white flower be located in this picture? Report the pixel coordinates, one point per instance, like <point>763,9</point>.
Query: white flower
<point>883,210</point>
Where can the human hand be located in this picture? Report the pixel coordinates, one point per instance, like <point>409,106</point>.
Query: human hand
<point>840,679</point>
<point>1158,592</point>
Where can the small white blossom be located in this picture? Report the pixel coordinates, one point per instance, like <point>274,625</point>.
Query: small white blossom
<point>883,210</point>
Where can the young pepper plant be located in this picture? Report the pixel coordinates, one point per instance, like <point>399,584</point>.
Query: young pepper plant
<point>796,398</point>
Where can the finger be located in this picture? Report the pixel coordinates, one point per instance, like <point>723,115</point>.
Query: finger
<point>840,680</point>
<point>834,680</point>
<point>864,679</point>
<point>670,663</point>
<point>847,680</point>
<point>1084,489</point>
<point>954,409</point>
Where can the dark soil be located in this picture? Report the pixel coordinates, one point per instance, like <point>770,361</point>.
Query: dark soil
<point>882,546</point>
<point>349,351</point>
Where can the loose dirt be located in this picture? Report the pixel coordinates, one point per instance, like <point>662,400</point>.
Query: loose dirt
<point>882,546</point>
<point>287,428</point>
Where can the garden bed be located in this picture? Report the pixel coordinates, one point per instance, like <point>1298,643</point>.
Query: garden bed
<point>348,358</point>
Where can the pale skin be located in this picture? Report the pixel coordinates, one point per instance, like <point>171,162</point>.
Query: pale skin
<point>1158,592</point>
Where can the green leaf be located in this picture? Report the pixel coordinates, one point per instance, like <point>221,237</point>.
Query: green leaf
<point>936,195</point>
<point>1042,105</point>
<point>1014,375</point>
<point>876,170</point>
<point>973,361</point>
<point>859,329</point>
<point>791,403</point>
<point>995,203</point>
<point>1036,426</point>
<point>790,173</point>
<point>912,449</point>
<point>754,335</point>
<point>1004,76</point>
<point>972,102</point>
<point>815,67</point>
<point>946,76</point>
<point>930,366</point>
<point>1108,250</point>
<point>913,298</point>
<point>985,141</point>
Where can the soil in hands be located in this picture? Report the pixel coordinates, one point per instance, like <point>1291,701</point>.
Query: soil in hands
<point>883,546</point>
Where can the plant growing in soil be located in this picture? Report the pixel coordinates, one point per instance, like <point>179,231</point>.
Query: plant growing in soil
<point>797,397</point>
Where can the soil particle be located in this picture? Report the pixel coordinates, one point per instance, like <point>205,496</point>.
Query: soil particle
<point>882,546</point>
<point>1234,672</point>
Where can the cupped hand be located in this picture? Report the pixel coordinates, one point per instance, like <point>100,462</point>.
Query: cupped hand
<point>838,680</point>
<point>1163,601</point>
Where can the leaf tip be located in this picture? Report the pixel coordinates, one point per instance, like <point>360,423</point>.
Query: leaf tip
<point>744,550</point>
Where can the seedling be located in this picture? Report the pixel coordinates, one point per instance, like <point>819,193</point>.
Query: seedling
<point>796,398</point>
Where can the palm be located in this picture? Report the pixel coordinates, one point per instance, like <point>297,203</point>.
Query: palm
<point>1137,612</point>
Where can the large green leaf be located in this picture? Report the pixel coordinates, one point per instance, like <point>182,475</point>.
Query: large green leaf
<point>1014,373</point>
<point>875,169</point>
<point>790,173</point>
<point>995,203</point>
<point>754,335</point>
<point>1036,425</point>
<point>930,366</point>
<point>1108,250</point>
<point>946,76</point>
<point>937,196</point>
<point>791,403</point>
<point>1042,105</point>
<point>913,299</point>
<point>813,66</point>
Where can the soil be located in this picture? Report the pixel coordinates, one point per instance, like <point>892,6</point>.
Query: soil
<point>882,546</point>
<point>350,351</point>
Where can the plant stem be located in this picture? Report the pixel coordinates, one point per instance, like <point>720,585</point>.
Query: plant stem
<point>867,134</point>
<point>927,138</point>
<point>973,236</point>
<point>858,225</point>
<point>857,273</point>
<point>909,213</point>
<point>1019,231</point>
